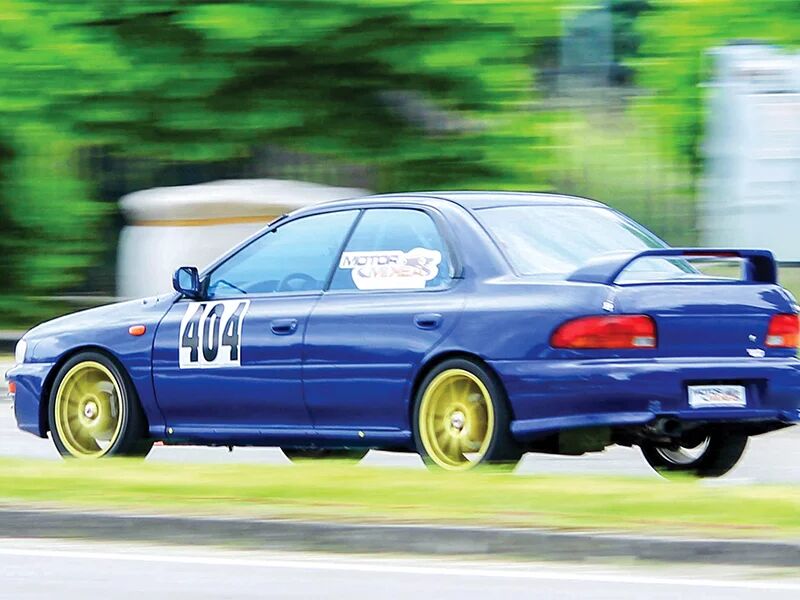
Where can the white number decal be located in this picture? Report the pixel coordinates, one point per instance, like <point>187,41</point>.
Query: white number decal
<point>211,334</point>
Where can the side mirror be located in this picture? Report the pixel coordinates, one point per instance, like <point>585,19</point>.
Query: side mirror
<point>186,280</point>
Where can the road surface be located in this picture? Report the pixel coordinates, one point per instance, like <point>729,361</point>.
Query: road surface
<point>78,570</point>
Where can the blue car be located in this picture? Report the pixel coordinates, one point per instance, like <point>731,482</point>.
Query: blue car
<point>469,327</point>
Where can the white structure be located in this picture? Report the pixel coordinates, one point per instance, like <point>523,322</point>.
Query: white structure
<point>751,195</point>
<point>192,225</point>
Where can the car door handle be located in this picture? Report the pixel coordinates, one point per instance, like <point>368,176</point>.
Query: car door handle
<point>428,320</point>
<point>283,326</point>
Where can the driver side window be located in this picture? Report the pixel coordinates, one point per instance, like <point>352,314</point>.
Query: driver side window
<point>296,257</point>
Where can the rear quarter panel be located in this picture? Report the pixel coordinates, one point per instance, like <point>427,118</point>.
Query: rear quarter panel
<point>510,319</point>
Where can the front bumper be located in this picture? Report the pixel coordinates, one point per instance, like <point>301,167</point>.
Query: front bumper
<point>30,378</point>
<point>551,395</point>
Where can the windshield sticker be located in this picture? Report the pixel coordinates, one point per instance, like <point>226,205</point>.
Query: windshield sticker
<point>392,269</point>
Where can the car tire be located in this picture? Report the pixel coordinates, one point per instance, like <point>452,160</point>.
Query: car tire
<point>94,411</point>
<point>344,454</point>
<point>461,418</point>
<point>720,451</point>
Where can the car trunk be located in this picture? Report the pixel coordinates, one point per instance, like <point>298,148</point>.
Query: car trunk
<point>709,317</point>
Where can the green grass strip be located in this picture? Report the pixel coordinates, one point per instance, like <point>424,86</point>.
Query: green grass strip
<point>790,279</point>
<point>334,491</point>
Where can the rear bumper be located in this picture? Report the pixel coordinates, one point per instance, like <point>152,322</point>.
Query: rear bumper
<point>550,395</point>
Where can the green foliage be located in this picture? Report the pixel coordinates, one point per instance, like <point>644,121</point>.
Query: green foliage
<point>789,278</point>
<point>619,160</point>
<point>423,93</point>
<point>427,93</point>
<point>672,63</point>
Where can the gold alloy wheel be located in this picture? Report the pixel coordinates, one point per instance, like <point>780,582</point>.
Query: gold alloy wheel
<point>89,410</point>
<point>456,419</point>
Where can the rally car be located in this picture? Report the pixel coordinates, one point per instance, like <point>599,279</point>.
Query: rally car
<point>470,327</point>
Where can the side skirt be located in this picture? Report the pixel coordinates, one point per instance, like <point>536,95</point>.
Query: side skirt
<point>286,436</point>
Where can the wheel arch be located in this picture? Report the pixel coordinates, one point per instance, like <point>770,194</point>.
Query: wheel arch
<point>47,386</point>
<point>437,359</point>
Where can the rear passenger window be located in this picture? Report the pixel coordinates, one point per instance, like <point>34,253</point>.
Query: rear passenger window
<point>393,249</point>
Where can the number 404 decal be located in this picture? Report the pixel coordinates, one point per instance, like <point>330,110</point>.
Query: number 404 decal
<point>211,334</point>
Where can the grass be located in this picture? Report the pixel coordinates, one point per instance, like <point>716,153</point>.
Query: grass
<point>366,494</point>
<point>790,279</point>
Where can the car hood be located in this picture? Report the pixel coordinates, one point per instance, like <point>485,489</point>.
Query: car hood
<point>148,310</point>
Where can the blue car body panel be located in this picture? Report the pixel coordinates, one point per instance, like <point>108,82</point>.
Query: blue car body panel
<point>105,329</point>
<point>344,372</point>
<point>550,395</point>
<point>261,399</point>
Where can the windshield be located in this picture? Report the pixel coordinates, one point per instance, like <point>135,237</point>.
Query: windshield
<point>556,240</point>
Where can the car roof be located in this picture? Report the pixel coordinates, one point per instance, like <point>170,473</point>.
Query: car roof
<point>473,200</point>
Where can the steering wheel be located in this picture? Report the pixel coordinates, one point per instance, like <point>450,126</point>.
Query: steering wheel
<point>283,286</point>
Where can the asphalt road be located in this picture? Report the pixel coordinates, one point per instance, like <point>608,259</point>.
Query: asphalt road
<point>78,570</point>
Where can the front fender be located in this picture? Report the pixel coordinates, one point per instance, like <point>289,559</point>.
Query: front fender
<point>103,329</point>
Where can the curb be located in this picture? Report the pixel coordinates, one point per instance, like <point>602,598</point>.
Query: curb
<point>415,539</point>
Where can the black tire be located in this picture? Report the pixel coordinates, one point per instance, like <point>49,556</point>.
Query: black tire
<point>502,450</point>
<point>722,451</point>
<point>132,440</point>
<point>344,454</point>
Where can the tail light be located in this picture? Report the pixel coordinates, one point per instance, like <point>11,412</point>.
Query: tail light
<point>784,331</point>
<point>606,332</point>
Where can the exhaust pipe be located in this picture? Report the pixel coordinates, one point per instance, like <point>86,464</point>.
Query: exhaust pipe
<point>665,427</point>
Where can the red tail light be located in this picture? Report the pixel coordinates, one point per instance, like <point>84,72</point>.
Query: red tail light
<point>606,332</point>
<point>784,331</point>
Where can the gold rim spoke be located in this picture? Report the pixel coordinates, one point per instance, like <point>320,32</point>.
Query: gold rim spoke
<point>453,449</point>
<point>464,390</point>
<point>445,445</point>
<point>104,404</point>
<point>458,450</point>
<point>83,386</point>
<point>442,439</point>
<point>454,391</point>
<point>477,426</point>
<point>71,393</point>
<point>474,435</point>
<point>85,440</point>
<point>469,445</point>
<point>73,402</point>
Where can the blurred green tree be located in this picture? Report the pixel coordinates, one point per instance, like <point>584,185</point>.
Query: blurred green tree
<point>426,93</point>
<point>672,61</point>
<point>430,93</point>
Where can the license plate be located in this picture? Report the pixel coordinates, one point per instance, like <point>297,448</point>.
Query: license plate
<point>708,396</point>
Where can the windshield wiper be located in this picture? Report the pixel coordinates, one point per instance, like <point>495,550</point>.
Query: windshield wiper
<point>231,285</point>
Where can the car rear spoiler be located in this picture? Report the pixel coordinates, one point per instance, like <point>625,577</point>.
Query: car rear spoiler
<point>760,266</point>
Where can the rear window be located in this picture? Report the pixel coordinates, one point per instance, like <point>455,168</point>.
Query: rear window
<point>557,240</point>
